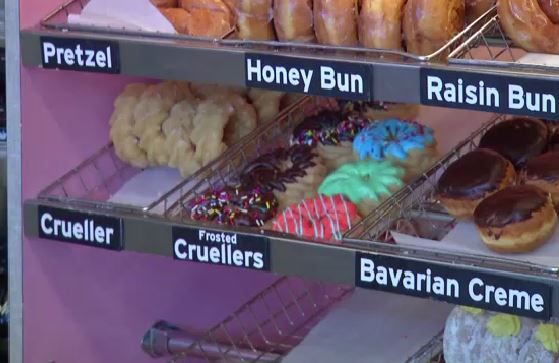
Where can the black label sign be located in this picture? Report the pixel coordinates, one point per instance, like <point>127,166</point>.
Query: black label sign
<point>348,81</point>
<point>80,55</point>
<point>221,248</point>
<point>490,92</point>
<point>80,228</point>
<point>457,286</point>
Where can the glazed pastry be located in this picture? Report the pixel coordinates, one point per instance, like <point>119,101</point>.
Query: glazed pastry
<point>380,24</point>
<point>208,18</point>
<point>332,135</point>
<point>335,22</point>
<point>293,174</point>
<point>179,18</point>
<point>165,3</point>
<point>476,8</point>
<point>474,335</point>
<point>543,346</point>
<point>234,206</point>
<point>293,20</point>
<point>516,219</point>
<point>254,19</point>
<point>517,139</point>
<point>530,25</point>
<point>365,183</point>
<point>470,179</point>
<point>543,172</point>
<point>406,143</point>
<point>379,110</point>
<point>321,218</point>
<point>430,24</point>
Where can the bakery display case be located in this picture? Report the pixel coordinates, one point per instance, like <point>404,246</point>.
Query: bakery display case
<point>266,181</point>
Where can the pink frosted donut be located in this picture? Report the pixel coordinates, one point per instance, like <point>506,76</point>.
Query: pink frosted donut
<point>322,218</point>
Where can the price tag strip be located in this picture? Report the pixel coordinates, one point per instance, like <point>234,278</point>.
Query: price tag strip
<point>453,285</point>
<point>85,55</point>
<point>221,248</point>
<point>345,80</point>
<point>80,228</point>
<point>535,97</point>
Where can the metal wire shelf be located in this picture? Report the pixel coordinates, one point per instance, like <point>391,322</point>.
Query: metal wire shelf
<point>414,210</point>
<point>57,20</point>
<point>264,329</point>
<point>96,179</point>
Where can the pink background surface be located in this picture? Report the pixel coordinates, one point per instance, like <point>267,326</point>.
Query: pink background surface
<point>87,305</point>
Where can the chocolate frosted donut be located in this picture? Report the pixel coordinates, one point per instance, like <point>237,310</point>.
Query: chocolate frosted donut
<point>517,139</point>
<point>510,205</point>
<point>274,170</point>
<point>471,178</point>
<point>473,175</point>
<point>516,219</point>
<point>543,172</point>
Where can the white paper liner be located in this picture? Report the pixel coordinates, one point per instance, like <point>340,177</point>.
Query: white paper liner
<point>372,327</point>
<point>540,59</point>
<point>148,186</point>
<point>132,15</point>
<point>464,238</point>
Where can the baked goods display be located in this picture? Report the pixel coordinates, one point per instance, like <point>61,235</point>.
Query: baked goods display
<point>380,24</point>
<point>429,24</point>
<point>293,20</point>
<point>335,22</point>
<point>365,183</point>
<point>476,8</point>
<point>472,178</point>
<point>322,218</point>
<point>531,24</point>
<point>475,335</point>
<point>517,139</point>
<point>516,219</point>
<point>182,125</point>
<point>254,19</point>
<point>543,172</point>
<point>234,206</point>
<point>292,173</point>
<point>201,18</point>
<point>405,143</point>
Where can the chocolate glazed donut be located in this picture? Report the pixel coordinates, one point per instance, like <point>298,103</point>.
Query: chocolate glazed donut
<point>531,24</point>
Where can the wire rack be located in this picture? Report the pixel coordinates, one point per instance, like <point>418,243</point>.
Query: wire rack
<point>489,46</point>
<point>264,329</point>
<point>92,183</point>
<point>414,210</point>
<point>273,135</point>
<point>57,20</point>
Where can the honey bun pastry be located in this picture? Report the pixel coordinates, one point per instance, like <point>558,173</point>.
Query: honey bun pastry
<point>165,3</point>
<point>380,24</point>
<point>430,24</point>
<point>208,18</point>
<point>335,22</point>
<point>254,19</point>
<point>516,219</point>
<point>530,24</point>
<point>471,178</point>
<point>179,18</point>
<point>293,20</point>
<point>476,8</point>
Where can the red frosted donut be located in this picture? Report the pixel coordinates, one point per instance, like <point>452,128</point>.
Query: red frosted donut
<point>323,218</point>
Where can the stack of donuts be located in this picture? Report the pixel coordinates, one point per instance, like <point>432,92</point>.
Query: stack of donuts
<point>339,166</point>
<point>418,26</point>
<point>509,185</point>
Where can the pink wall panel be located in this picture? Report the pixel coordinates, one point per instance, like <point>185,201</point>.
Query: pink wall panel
<point>81,304</point>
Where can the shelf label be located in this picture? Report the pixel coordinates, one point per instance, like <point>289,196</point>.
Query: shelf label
<point>349,81</point>
<point>453,285</point>
<point>221,248</point>
<point>490,92</point>
<point>80,228</point>
<point>80,55</point>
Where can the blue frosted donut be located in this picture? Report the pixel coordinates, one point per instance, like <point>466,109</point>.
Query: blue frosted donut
<point>392,138</point>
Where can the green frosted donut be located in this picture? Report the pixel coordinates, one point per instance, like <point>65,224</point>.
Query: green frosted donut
<point>374,180</point>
